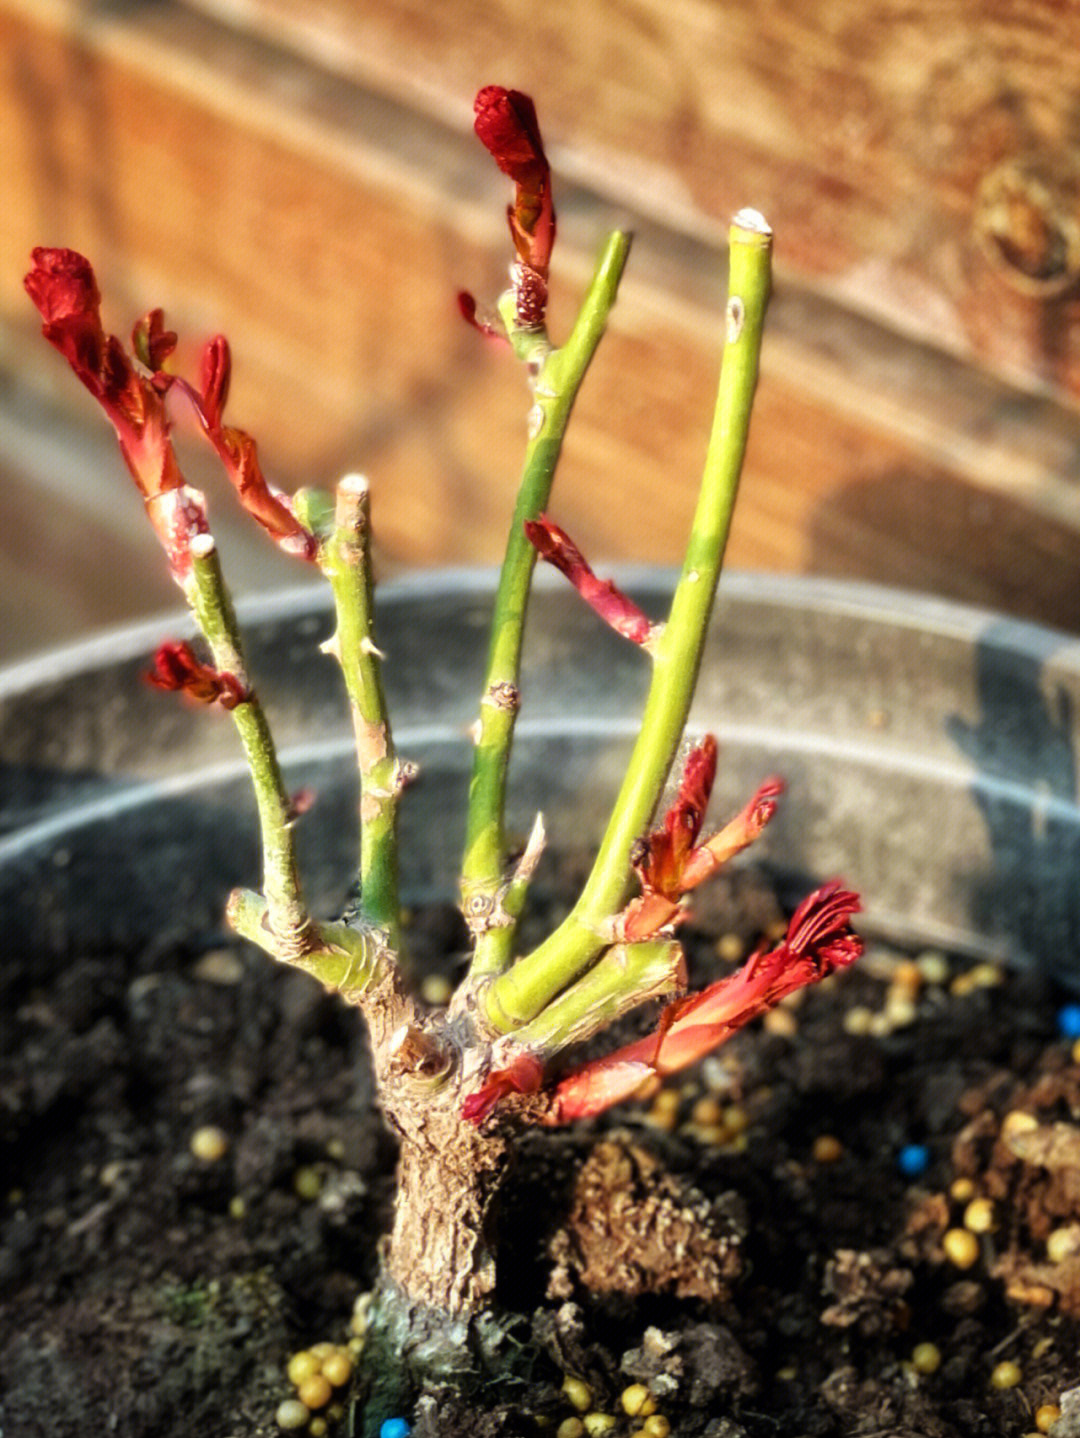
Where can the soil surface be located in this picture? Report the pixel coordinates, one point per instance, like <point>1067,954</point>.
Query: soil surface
<point>862,1216</point>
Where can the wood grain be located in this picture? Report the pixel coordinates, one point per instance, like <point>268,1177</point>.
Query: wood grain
<point>243,177</point>
<point>867,132</point>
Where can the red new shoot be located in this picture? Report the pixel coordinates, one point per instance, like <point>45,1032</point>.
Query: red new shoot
<point>612,605</point>
<point>670,862</point>
<point>63,286</point>
<point>819,941</point>
<point>506,123</point>
<point>239,454</point>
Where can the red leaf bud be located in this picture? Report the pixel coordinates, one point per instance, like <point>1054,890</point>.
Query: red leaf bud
<point>176,668</point>
<point>506,124</point>
<point>151,341</point>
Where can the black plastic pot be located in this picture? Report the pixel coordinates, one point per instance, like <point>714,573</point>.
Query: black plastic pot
<point>929,751</point>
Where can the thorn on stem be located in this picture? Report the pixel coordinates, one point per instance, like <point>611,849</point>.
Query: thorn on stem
<point>531,854</point>
<point>406,773</point>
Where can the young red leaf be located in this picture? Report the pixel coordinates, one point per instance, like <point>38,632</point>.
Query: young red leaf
<point>239,454</point>
<point>216,374</point>
<point>735,836</point>
<point>600,1085</point>
<point>177,668</point>
<point>63,287</point>
<point>667,862</point>
<point>506,124</point>
<point>819,941</point>
<point>490,328</point>
<point>524,1074</point>
<point>267,505</point>
<point>661,858</point>
<point>556,546</point>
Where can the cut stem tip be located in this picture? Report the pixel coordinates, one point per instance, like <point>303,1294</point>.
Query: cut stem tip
<point>753,221</point>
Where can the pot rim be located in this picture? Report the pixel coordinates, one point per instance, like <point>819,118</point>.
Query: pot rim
<point>802,593</point>
<point>932,746</point>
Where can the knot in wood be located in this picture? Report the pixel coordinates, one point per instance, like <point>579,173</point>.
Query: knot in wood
<point>1026,223</point>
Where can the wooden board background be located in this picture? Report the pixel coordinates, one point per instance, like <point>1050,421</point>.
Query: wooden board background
<point>301,175</point>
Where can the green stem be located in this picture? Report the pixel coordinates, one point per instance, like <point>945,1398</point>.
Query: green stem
<point>345,558</point>
<point>340,956</point>
<point>558,375</point>
<point>287,912</point>
<point>517,996</point>
<point>622,979</point>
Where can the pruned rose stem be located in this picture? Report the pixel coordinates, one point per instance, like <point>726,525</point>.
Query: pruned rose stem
<point>557,378</point>
<point>64,288</point>
<point>345,559</point>
<point>517,995</point>
<point>287,915</point>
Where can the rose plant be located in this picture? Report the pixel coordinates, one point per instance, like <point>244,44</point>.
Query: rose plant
<point>459,1082</point>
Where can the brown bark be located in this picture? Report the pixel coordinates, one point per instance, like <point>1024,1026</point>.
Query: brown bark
<point>431,1321</point>
<point>436,1264</point>
<point>437,1253</point>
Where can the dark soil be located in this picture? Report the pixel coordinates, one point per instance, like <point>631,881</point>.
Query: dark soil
<point>749,1246</point>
